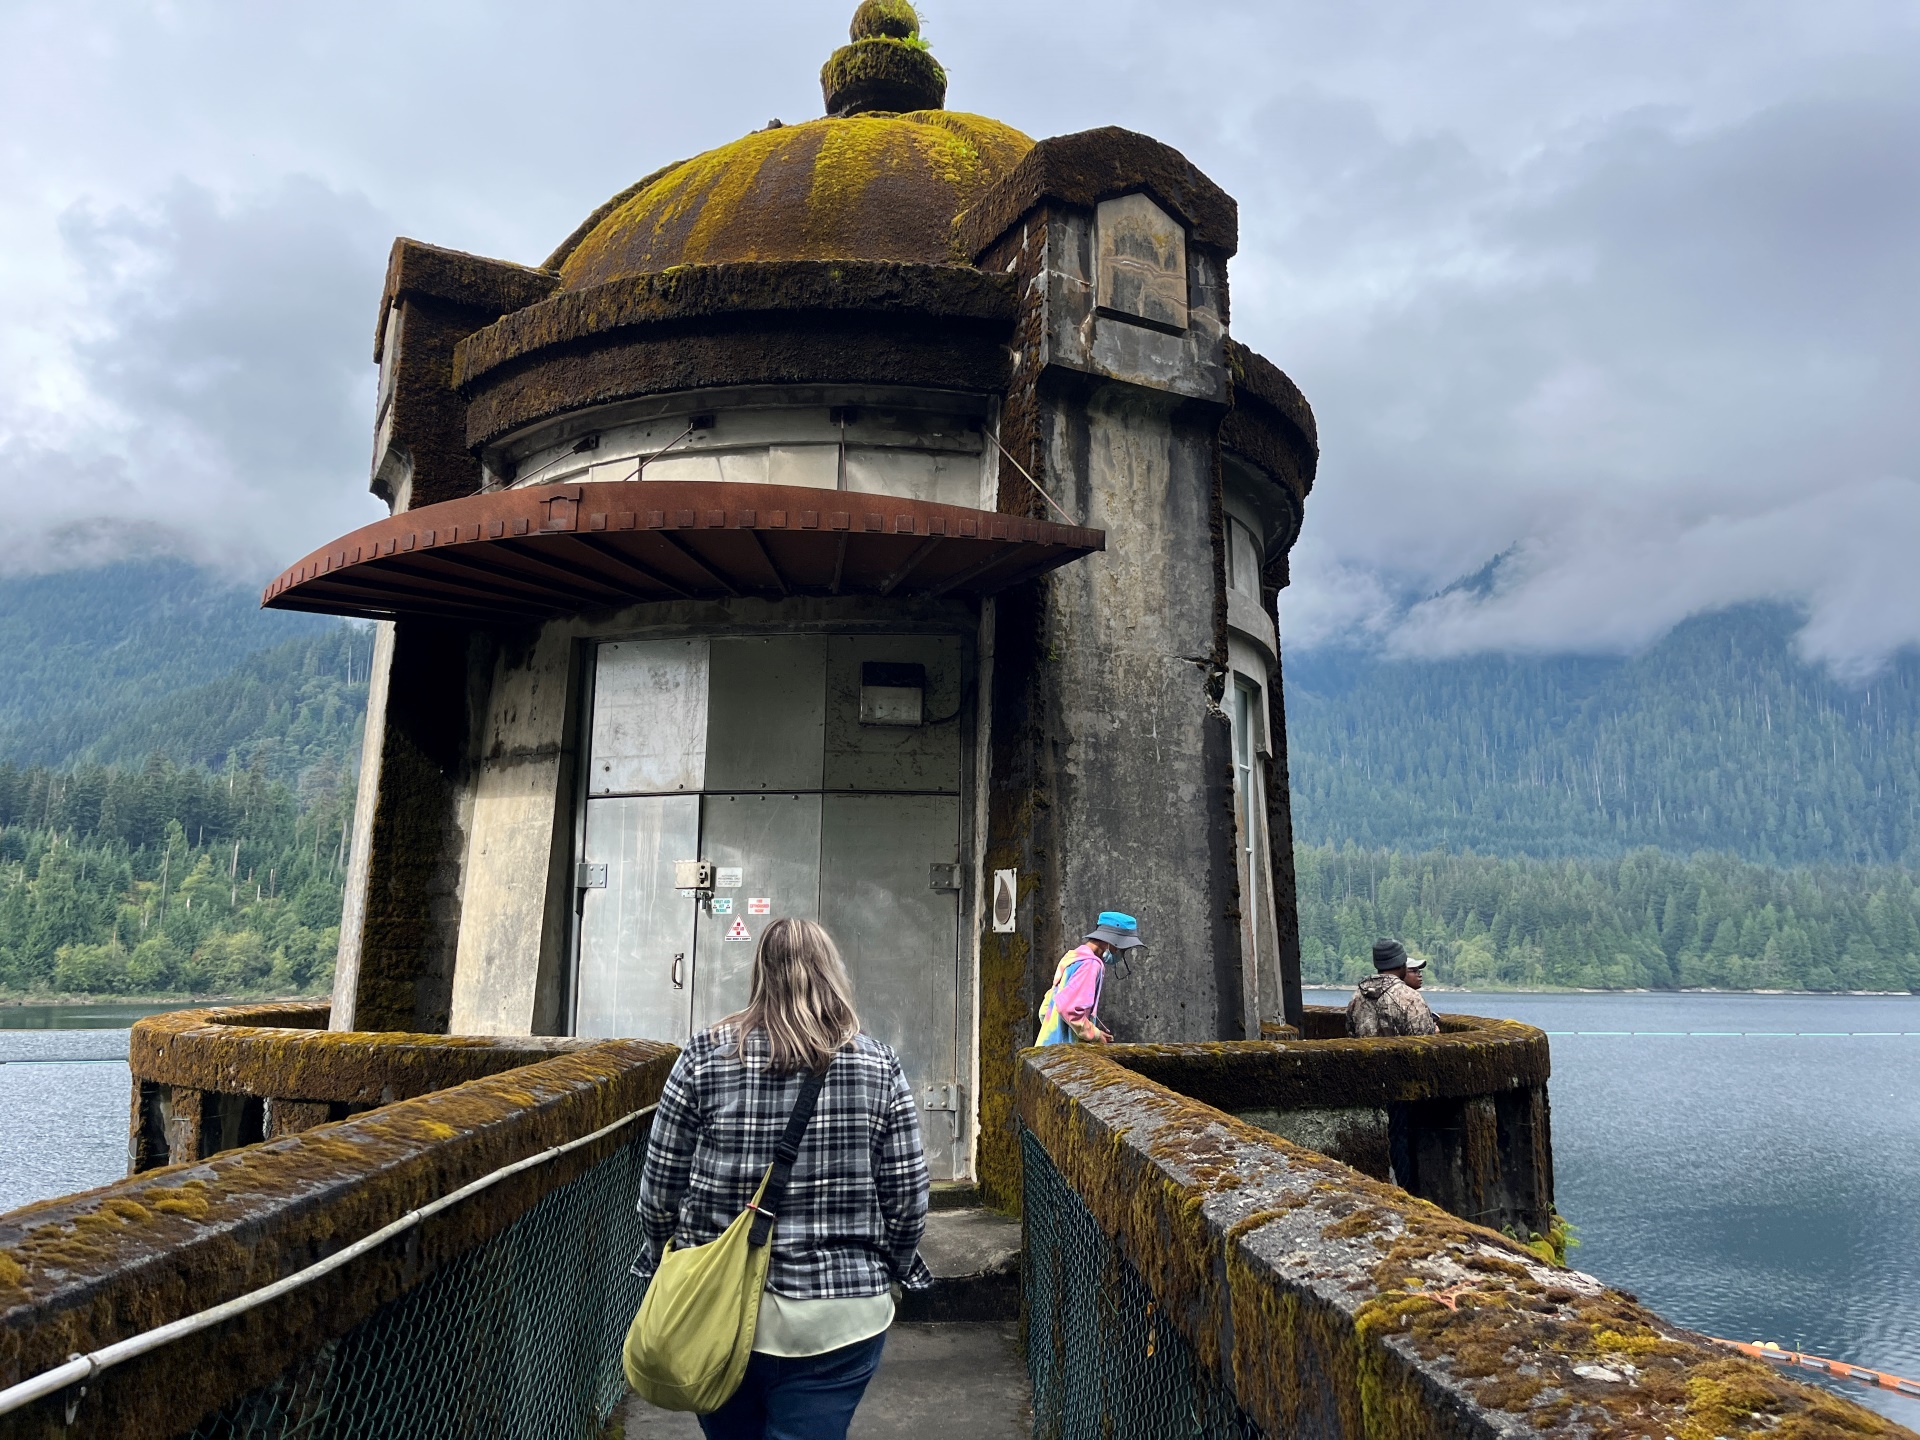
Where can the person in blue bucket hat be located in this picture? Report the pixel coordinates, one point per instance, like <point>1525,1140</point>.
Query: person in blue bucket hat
<point>1070,1013</point>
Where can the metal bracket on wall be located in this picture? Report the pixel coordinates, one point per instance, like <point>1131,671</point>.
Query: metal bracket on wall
<point>589,877</point>
<point>943,877</point>
<point>944,1097</point>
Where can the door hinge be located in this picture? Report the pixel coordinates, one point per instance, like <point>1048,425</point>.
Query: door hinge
<point>589,877</point>
<point>943,877</point>
<point>942,1097</point>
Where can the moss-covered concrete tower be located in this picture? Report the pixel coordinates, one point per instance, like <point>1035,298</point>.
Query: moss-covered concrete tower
<point>869,519</point>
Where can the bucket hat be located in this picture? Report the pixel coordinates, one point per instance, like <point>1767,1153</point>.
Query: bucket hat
<point>1120,931</point>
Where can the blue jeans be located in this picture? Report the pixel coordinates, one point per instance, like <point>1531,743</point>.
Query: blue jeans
<point>811,1398</point>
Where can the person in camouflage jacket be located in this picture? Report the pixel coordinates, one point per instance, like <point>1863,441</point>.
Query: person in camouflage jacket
<point>1389,1002</point>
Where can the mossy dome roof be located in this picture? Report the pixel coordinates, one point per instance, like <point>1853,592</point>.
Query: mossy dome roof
<point>861,187</point>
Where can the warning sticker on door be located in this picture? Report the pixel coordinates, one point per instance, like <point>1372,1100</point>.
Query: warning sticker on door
<point>760,906</point>
<point>721,905</point>
<point>729,878</point>
<point>738,931</point>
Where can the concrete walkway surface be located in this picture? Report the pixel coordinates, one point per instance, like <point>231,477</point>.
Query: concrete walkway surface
<point>955,1381</point>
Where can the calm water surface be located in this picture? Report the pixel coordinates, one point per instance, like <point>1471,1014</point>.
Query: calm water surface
<point>1757,1185</point>
<point>1753,1185</point>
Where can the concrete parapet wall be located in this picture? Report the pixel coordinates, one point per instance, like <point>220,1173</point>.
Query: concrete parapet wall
<point>86,1270</point>
<point>1470,1104</point>
<point>1331,1304</point>
<point>1471,1056</point>
<point>205,1081</point>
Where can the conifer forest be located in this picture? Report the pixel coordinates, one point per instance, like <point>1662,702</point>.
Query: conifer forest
<point>177,775</point>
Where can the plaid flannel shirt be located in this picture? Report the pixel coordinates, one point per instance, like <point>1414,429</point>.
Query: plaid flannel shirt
<point>857,1204</point>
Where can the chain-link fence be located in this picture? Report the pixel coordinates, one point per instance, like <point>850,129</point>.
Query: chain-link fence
<point>519,1339</point>
<point>1104,1360</point>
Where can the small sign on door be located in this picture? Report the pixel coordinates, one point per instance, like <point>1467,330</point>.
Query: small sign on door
<point>721,906</point>
<point>759,906</point>
<point>729,878</point>
<point>738,931</point>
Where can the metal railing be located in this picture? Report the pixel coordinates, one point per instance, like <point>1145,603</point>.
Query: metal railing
<point>81,1371</point>
<point>519,1339</point>
<point>452,1264</point>
<point>1103,1359</point>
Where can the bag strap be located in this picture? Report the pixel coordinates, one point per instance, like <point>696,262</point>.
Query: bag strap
<point>774,1187</point>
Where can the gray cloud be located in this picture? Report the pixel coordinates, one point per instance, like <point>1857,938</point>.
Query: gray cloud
<point>218,395</point>
<point>1660,371</point>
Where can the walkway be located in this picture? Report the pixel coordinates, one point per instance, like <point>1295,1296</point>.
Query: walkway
<point>954,1381</point>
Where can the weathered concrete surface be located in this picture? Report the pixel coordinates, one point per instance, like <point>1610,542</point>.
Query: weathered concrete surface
<point>1333,1305</point>
<point>975,1259</point>
<point>83,1271</point>
<point>200,1076</point>
<point>398,932</point>
<point>953,1382</point>
<point>516,898</point>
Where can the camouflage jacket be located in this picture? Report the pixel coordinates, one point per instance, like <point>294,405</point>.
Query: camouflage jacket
<point>1384,1005</point>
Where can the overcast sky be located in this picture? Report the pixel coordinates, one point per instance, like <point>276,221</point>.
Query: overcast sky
<point>1610,312</point>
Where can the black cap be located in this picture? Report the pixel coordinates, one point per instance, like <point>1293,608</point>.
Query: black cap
<point>1389,955</point>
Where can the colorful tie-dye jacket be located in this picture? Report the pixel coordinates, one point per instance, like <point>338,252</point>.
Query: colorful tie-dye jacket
<point>1070,1011</point>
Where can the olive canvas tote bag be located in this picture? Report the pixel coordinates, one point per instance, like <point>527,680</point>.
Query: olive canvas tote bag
<point>688,1347</point>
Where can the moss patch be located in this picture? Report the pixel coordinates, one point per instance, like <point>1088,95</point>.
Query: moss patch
<point>1336,1304</point>
<point>870,187</point>
<point>82,1271</point>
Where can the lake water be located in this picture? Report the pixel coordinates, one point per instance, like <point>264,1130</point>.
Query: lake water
<point>1749,1165</point>
<point>1755,1185</point>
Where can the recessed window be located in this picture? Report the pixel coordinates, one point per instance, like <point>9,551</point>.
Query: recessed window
<point>1141,273</point>
<point>1243,560</point>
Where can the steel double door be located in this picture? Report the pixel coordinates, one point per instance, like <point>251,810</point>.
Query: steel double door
<point>769,775</point>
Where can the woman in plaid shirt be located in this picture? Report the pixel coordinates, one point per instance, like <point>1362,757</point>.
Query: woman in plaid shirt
<point>854,1212</point>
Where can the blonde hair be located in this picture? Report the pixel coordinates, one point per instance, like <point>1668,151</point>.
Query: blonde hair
<point>801,998</point>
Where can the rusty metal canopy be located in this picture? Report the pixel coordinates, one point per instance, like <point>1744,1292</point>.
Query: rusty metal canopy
<point>551,550</point>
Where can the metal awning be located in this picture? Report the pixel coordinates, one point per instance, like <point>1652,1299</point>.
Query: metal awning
<point>551,550</point>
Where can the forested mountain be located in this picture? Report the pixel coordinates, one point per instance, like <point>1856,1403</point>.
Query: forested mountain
<point>1718,738</point>
<point>1642,920</point>
<point>109,666</point>
<point>175,784</point>
<point>176,780</point>
<point>163,879</point>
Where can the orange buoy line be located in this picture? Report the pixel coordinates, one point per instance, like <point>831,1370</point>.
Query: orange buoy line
<point>1767,1350</point>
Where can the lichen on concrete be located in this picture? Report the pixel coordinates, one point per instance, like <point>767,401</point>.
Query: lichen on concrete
<point>82,1271</point>
<point>1335,1304</point>
<point>859,187</point>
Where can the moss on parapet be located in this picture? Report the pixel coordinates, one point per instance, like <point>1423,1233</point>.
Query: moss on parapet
<point>83,1271</point>
<point>1089,166</point>
<point>279,1052</point>
<point>1470,1057</point>
<point>1337,1305</point>
<point>694,293</point>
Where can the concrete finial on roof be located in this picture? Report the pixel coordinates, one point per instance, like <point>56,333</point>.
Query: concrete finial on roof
<point>887,69</point>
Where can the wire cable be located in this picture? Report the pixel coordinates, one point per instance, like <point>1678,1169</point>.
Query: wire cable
<point>81,1369</point>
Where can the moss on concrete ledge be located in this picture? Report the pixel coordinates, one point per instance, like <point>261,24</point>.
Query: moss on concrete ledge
<point>1089,166</point>
<point>1478,1057</point>
<point>1337,1305</point>
<point>685,293</point>
<point>266,1051</point>
<point>469,281</point>
<point>83,1271</point>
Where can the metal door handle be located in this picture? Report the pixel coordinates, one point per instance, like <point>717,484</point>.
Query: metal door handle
<point>679,960</point>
